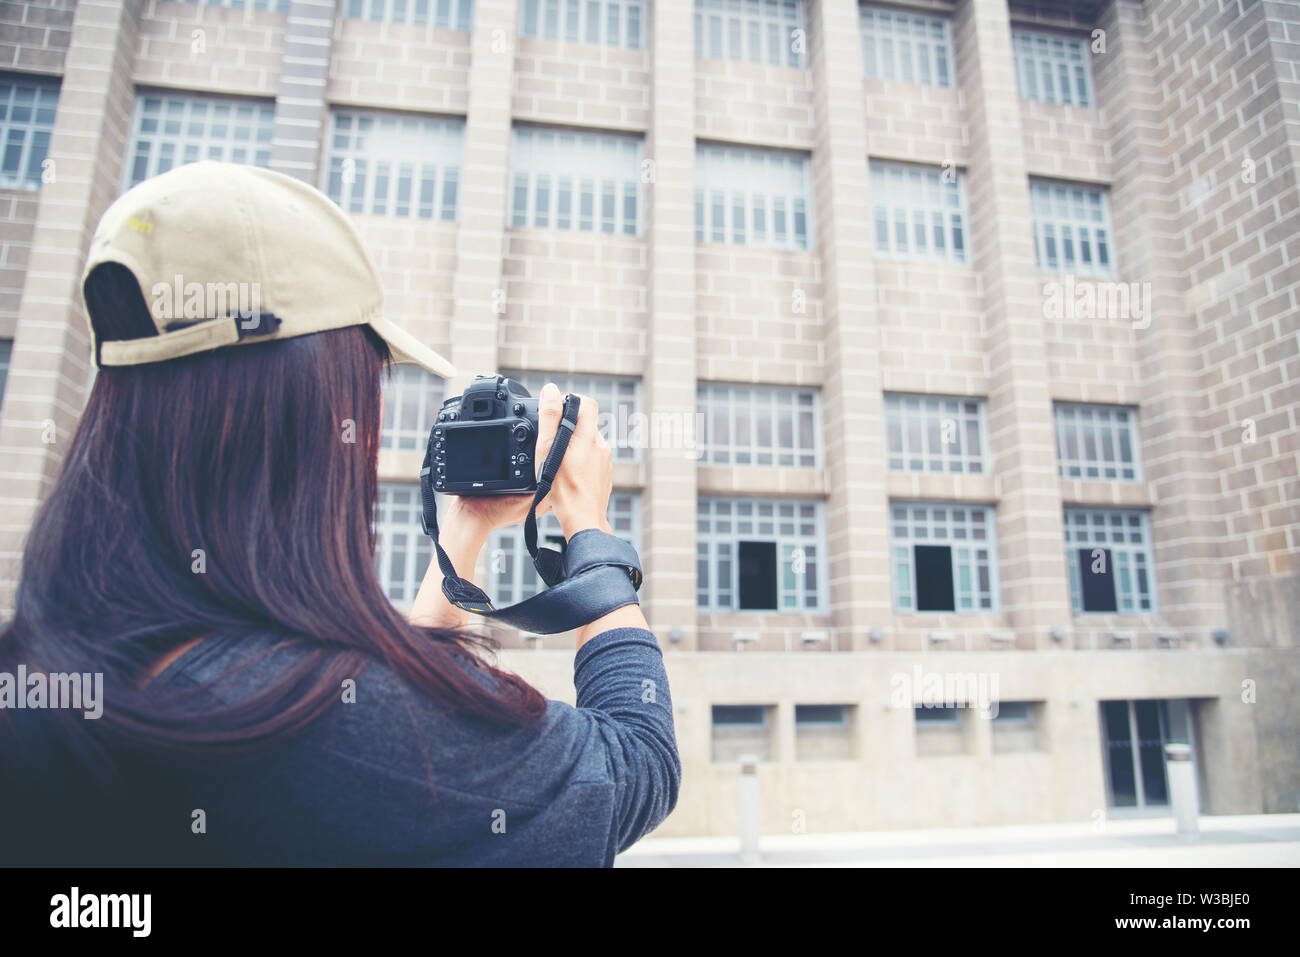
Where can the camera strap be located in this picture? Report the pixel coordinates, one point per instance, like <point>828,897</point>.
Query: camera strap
<point>597,573</point>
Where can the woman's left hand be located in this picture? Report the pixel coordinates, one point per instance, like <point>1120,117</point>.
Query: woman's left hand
<point>482,514</point>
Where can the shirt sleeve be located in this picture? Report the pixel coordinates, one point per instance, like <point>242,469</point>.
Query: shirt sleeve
<point>622,685</point>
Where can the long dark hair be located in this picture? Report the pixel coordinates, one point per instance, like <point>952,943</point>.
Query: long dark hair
<point>225,493</point>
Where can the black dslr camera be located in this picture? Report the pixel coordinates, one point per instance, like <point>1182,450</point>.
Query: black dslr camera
<point>485,441</point>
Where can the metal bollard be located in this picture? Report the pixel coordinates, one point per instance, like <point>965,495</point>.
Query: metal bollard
<point>749,810</point>
<point>1182,788</point>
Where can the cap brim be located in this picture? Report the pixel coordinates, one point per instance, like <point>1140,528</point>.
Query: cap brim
<point>407,348</point>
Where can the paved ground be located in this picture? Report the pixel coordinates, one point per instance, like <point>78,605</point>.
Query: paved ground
<point>1264,840</point>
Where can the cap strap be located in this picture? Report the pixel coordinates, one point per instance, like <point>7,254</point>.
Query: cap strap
<point>168,345</point>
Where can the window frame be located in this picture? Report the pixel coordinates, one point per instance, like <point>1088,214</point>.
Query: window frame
<point>407,386</point>
<point>1044,200</point>
<point>882,174</point>
<point>559,153</point>
<point>909,539</point>
<point>1146,548</point>
<point>755,32</point>
<point>872,17</point>
<point>1030,57</point>
<point>780,187</point>
<point>897,412</point>
<point>442,151</point>
<point>714,547</point>
<point>420,13</point>
<point>573,21</point>
<point>418,547</point>
<point>748,399</point>
<point>1112,429</point>
<point>262,120</point>
<point>34,134</point>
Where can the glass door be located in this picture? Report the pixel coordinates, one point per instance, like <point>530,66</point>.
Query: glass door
<point>1134,734</point>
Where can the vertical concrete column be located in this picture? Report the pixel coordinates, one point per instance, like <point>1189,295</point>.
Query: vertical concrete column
<point>668,385</point>
<point>853,430</point>
<point>785,731</point>
<point>1175,449</point>
<point>478,289</point>
<point>49,367</point>
<point>300,109</point>
<point>1031,552</point>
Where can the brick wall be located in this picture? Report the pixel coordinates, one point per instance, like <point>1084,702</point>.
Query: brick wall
<point>399,66</point>
<point>34,35</point>
<point>1227,76</point>
<point>581,84</point>
<point>753,103</point>
<point>919,124</point>
<point>201,47</point>
<point>931,328</point>
<point>575,301</point>
<point>749,328</point>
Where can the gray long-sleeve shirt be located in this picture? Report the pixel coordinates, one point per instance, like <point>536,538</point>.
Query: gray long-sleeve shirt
<point>397,778</point>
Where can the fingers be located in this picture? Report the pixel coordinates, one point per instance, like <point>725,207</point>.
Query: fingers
<point>550,408</point>
<point>588,413</point>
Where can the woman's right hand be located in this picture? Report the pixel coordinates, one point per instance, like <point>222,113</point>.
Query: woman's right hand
<point>579,496</point>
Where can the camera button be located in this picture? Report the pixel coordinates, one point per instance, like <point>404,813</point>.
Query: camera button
<point>453,416</point>
<point>518,408</point>
<point>522,458</point>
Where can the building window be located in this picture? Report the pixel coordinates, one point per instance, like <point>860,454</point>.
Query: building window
<point>739,730</point>
<point>402,550</point>
<point>6,349</point>
<point>821,714</point>
<point>27,107</point>
<point>1052,68</point>
<point>447,14</point>
<point>905,47</point>
<point>759,425</point>
<point>1071,228</point>
<point>757,31</point>
<point>613,23</point>
<point>511,576</point>
<point>563,179</point>
<point>760,555</point>
<point>1109,556</point>
<point>1014,712</point>
<point>927,714</point>
<point>919,211</point>
<point>617,396</point>
<point>740,715</point>
<point>387,164</point>
<point>279,6</point>
<point>412,398</point>
<point>757,197</point>
<point>944,557</point>
<point>931,433</point>
<point>1097,441</point>
<point>172,130</point>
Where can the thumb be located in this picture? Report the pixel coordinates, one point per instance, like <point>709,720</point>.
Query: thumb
<point>550,408</point>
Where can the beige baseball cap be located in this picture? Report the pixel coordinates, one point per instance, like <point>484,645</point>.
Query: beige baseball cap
<point>227,254</point>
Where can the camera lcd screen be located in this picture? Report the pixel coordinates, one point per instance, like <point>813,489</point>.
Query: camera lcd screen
<point>478,455</point>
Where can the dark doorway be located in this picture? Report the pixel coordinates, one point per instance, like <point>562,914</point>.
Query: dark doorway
<point>1097,576</point>
<point>934,578</point>
<point>757,566</point>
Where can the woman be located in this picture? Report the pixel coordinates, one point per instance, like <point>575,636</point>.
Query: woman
<point>209,548</point>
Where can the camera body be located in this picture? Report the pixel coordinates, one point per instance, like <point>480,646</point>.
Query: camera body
<point>485,440</point>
